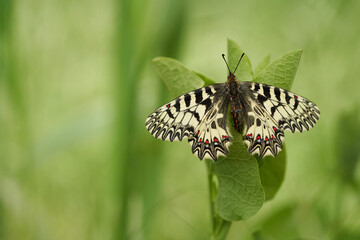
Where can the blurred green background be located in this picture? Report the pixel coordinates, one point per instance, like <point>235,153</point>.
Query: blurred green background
<point>77,83</point>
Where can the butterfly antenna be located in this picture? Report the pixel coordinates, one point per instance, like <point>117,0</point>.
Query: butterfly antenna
<point>223,55</point>
<point>239,62</point>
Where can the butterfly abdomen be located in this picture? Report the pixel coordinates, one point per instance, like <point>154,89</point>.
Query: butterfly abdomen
<point>237,113</point>
<point>238,106</point>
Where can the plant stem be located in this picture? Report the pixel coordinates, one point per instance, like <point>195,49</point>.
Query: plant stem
<point>219,226</point>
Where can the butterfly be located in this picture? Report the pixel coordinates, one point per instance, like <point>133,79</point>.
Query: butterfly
<point>260,112</point>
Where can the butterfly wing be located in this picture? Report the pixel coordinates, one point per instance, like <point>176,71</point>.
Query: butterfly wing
<point>274,110</point>
<point>199,115</point>
<point>262,134</point>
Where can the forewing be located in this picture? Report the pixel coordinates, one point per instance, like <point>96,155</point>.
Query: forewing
<point>290,111</point>
<point>199,115</point>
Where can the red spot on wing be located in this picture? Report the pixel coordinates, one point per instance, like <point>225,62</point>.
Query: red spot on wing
<point>296,97</point>
<point>274,128</point>
<point>206,142</point>
<point>215,139</point>
<point>167,105</point>
<point>272,136</point>
<point>258,137</point>
<point>200,140</point>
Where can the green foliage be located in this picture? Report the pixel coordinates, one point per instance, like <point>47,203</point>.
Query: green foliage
<point>262,65</point>
<point>240,193</point>
<point>348,153</point>
<point>281,71</point>
<point>272,171</point>
<point>176,76</point>
<point>282,218</point>
<point>242,186</point>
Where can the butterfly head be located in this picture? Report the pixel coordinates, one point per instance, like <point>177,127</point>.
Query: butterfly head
<point>231,76</point>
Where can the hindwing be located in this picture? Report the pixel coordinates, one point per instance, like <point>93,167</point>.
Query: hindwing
<point>262,134</point>
<point>291,111</point>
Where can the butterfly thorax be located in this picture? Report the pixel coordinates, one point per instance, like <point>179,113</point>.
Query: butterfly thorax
<point>237,101</point>
<point>232,84</point>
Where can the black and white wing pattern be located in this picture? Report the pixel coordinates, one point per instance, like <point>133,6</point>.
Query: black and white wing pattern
<point>200,116</point>
<point>272,111</point>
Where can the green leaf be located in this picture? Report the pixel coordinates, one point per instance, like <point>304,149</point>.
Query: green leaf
<point>177,78</point>
<point>281,72</point>
<point>244,71</point>
<point>240,194</point>
<point>206,80</point>
<point>272,172</point>
<point>262,65</point>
